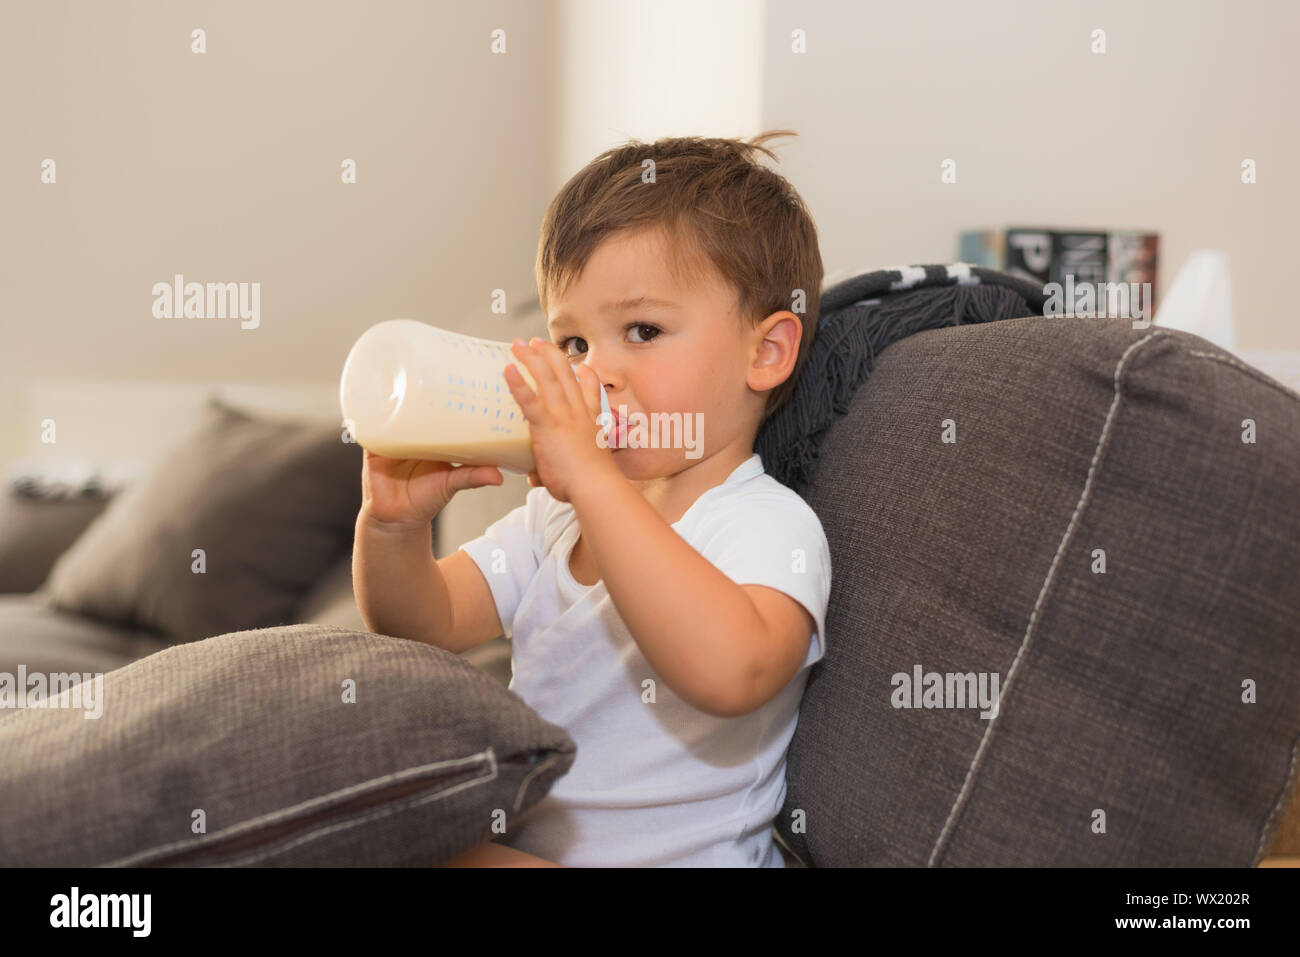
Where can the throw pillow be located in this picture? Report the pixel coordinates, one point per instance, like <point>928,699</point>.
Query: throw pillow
<point>298,746</point>
<point>34,532</point>
<point>229,532</point>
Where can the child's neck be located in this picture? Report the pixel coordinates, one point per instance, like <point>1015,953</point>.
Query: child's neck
<point>671,495</point>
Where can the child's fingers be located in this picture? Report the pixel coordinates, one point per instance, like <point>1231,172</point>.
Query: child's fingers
<point>563,370</point>
<point>589,384</point>
<point>523,394</point>
<point>474,476</point>
<point>549,389</point>
<point>487,475</point>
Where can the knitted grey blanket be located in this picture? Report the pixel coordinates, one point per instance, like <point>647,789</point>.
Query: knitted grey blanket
<point>860,317</point>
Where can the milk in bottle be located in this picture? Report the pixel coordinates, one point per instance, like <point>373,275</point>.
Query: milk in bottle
<point>412,390</point>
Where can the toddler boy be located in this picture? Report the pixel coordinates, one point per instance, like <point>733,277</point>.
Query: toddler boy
<point>664,596</point>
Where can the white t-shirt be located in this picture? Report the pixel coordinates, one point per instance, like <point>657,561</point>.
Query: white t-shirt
<point>657,783</point>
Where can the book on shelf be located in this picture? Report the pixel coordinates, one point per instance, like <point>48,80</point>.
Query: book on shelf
<point>1074,256</point>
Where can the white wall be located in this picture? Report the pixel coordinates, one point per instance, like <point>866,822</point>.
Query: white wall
<point>636,70</point>
<point>225,166</point>
<point>1149,135</point>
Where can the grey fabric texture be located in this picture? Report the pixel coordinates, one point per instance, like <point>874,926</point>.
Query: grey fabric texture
<point>272,504</point>
<point>859,318</point>
<point>1123,734</point>
<point>251,729</point>
<point>35,634</point>
<point>34,532</point>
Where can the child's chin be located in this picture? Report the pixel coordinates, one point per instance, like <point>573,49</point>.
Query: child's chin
<point>637,464</point>
<point>644,464</point>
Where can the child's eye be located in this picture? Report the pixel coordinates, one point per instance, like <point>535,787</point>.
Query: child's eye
<point>564,343</point>
<point>645,325</point>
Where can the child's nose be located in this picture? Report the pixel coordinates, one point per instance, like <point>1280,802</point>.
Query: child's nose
<point>608,377</point>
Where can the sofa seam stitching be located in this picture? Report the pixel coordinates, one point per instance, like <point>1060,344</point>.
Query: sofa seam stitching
<point>1289,781</point>
<point>523,785</point>
<point>297,809</point>
<point>382,811</point>
<point>959,804</point>
<point>1257,374</point>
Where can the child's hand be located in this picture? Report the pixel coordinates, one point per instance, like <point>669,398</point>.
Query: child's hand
<point>410,492</point>
<point>561,417</point>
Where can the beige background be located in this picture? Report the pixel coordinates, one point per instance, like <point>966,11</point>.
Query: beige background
<point>225,166</point>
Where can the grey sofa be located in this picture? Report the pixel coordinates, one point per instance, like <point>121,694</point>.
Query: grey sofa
<point>1106,519</point>
<point>48,639</point>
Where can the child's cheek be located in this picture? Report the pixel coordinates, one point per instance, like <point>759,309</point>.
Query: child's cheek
<point>672,388</point>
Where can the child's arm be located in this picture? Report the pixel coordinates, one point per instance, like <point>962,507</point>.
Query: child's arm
<point>725,648</point>
<point>399,588</point>
<point>393,579</point>
<point>401,591</point>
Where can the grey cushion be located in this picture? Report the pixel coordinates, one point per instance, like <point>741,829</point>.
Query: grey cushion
<point>272,504</point>
<point>34,532</point>
<point>1121,693</point>
<point>250,728</point>
<point>332,602</point>
<point>42,638</point>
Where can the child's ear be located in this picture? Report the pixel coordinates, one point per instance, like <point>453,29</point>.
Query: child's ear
<point>778,351</point>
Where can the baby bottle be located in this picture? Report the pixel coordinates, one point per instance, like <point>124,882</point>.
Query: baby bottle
<point>412,390</point>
